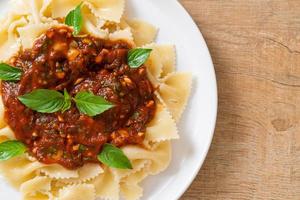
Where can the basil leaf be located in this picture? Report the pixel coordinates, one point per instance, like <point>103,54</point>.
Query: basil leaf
<point>9,73</point>
<point>11,149</point>
<point>114,157</point>
<point>137,57</point>
<point>67,101</point>
<point>82,148</point>
<point>74,18</point>
<point>90,104</point>
<point>43,100</point>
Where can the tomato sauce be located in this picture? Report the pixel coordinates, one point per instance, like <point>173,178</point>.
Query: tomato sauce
<point>59,61</point>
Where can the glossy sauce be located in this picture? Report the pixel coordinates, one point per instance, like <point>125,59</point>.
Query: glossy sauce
<point>58,60</point>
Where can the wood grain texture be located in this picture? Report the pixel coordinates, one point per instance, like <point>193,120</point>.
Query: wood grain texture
<point>255,46</point>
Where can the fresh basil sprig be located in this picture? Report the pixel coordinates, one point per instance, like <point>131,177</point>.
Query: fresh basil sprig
<point>51,101</point>
<point>114,157</point>
<point>137,57</point>
<point>90,104</point>
<point>67,101</point>
<point>10,149</point>
<point>75,19</point>
<point>46,101</point>
<point>9,73</point>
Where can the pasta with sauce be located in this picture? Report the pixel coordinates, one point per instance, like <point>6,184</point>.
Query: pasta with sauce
<point>30,23</point>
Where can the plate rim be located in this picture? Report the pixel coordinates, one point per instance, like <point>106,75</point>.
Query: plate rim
<point>197,30</point>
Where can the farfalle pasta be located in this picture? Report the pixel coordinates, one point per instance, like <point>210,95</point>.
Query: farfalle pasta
<point>39,177</point>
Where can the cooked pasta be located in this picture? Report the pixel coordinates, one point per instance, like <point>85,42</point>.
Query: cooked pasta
<point>27,21</point>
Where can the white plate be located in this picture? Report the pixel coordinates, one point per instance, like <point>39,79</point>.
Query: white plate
<point>198,122</point>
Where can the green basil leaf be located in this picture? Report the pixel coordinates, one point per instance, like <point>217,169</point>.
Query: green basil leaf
<point>9,73</point>
<point>75,19</point>
<point>43,100</point>
<point>90,104</point>
<point>10,149</point>
<point>82,148</point>
<point>114,157</point>
<point>67,101</point>
<point>137,57</point>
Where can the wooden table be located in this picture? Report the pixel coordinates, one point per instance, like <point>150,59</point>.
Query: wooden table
<point>255,46</point>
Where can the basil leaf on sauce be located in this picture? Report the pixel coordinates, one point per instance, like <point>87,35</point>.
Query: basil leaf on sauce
<point>82,148</point>
<point>114,157</point>
<point>67,101</point>
<point>90,104</point>
<point>9,73</point>
<point>43,100</point>
<point>137,57</point>
<point>75,19</point>
<point>10,149</point>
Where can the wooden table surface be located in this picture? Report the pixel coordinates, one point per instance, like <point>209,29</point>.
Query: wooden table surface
<point>255,46</point>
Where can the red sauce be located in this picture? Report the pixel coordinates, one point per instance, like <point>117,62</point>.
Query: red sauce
<point>58,60</point>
